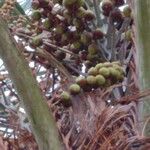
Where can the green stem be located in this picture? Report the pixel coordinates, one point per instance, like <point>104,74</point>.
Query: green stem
<point>142,15</point>
<point>41,119</point>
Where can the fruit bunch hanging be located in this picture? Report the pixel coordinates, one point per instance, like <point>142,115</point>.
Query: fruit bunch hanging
<point>101,76</point>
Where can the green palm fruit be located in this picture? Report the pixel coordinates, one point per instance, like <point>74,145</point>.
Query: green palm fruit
<point>36,41</point>
<point>74,89</point>
<point>65,96</point>
<point>107,64</point>
<point>104,71</point>
<point>114,72</point>
<point>86,38</point>
<point>128,35</point>
<point>127,11</point>
<point>100,80</point>
<point>91,80</point>
<point>47,24</point>
<point>98,66</point>
<point>36,15</point>
<point>119,68</point>
<point>80,12</point>
<point>92,71</point>
<point>92,48</point>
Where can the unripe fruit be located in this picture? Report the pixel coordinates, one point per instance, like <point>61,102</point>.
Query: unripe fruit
<point>36,41</point>
<point>114,73</point>
<point>104,71</point>
<point>86,38</point>
<point>100,80</point>
<point>74,89</point>
<point>36,15</point>
<point>107,64</point>
<point>98,66</point>
<point>47,24</point>
<point>127,11</point>
<point>119,68</point>
<point>81,81</point>
<point>91,80</point>
<point>92,71</point>
<point>128,35</point>
<point>77,45</point>
<point>65,96</point>
<point>92,57</point>
<point>89,15</point>
<point>116,63</point>
<point>73,4</point>
<point>92,48</point>
<point>98,34</point>
<point>80,12</point>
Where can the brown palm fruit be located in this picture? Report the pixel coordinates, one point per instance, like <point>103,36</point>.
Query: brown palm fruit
<point>92,71</point>
<point>100,80</point>
<point>89,15</point>
<point>36,41</point>
<point>78,23</point>
<point>73,4</point>
<point>36,15</point>
<point>91,80</point>
<point>74,89</point>
<point>98,34</point>
<point>43,3</point>
<point>47,24</point>
<point>118,2</point>
<point>127,11</point>
<point>92,49</point>
<point>81,81</point>
<point>86,38</point>
<point>116,15</point>
<point>60,55</point>
<point>104,71</point>
<point>107,7</point>
<point>35,4</point>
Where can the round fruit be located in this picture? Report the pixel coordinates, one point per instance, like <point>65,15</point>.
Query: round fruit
<point>80,12</point>
<point>127,11</point>
<point>98,34</point>
<point>36,15</point>
<point>107,64</point>
<point>47,24</point>
<point>107,6</point>
<point>81,81</point>
<point>65,96</point>
<point>86,38</point>
<point>104,71</point>
<point>119,68</point>
<point>116,15</point>
<point>74,89</point>
<point>36,41</point>
<point>91,80</point>
<point>92,71</point>
<point>60,55</point>
<point>128,35</point>
<point>92,48</point>
<point>35,4</point>
<point>89,15</point>
<point>100,80</point>
<point>98,66</point>
<point>114,73</point>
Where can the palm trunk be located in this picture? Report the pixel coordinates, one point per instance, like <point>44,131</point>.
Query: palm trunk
<point>41,119</point>
<point>142,15</point>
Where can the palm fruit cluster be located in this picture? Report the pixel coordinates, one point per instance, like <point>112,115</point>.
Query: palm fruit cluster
<point>7,8</point>
<point>102,75</point>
